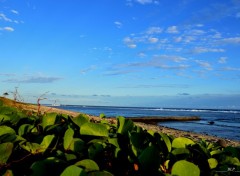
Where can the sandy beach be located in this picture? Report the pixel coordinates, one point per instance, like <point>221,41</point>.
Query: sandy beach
<point>177,133</point>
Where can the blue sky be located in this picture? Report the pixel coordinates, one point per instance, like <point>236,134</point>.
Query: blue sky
<point>182,53</point>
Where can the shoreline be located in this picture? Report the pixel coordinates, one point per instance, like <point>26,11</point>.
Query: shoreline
<point>158,128</point>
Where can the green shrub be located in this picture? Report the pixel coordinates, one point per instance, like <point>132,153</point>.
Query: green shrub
<point>55,144</point>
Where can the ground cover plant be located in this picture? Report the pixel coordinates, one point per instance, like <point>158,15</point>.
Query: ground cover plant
<point>59,144</point>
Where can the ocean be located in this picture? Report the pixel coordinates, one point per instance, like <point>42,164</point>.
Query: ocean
<point>226,121</point>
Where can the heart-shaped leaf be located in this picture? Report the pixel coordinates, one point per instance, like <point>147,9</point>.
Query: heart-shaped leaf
<point>68,138</point>
<point>5,152</point>
<point>181,142</point>
<point>47,140</point>
<point>212,163</point>
<point>49,120</point>
<point>24,129</point>
<point>80,119</point>
<point>94,129</point>
<point>73,171</point>
<point>88,165</point>
<point>7,134</point>
<point>185,168</point>
<point>124,125</point>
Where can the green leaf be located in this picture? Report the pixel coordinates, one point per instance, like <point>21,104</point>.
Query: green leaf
<point>124,125</point>
<point>5,152</point>
<point>100,173</point>
<point>216,152</point>
<point>181,142</point>
<point>88,165</point>
<point>7,134</point>
<point>47,140</point>
<point>94,129</point>
<point>232,151</point>
<point>24,129</point>
<point>77,145</point>
<point>102,116</point>
<point>139,141</point>
<point>180,151</point>
<point>7,110</point>
<point>146,159</point>
<point>4,117</point>
<point>185,168</point>
<point>70,157</point>
<point>73,171</point>
<point>231,161</point>
<point>33,148</point>
<point>68,138</point>
<point>49,166</point>
<point>212,163</point>
<point>49,120</point>
<point>6,130</point>
<point>80,119</point>
<point>94,149</point>
<point>114,141</point>
<point>167,141</point>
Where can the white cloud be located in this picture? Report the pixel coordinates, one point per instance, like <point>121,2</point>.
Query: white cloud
<point>232,40</point>
<point>230,69</point>
<point>141,54</point>
<point>33,79</point>
<point>222,60</point>
<point>15,12</point>
<point>198,50</point>
<point>144,1</point>
<point>178,39</point>
<point>5,18</point>
<point>7,74</point>
<point>118,72</point>
<point>204,64</point>
<point>189,39</point>
<point>157,85</point>
<point>217,35</point>
<point>131,45</point>
<point>196,32</point>
<point>153,40</point>
<point>159,61</point>
<point>9,29</point>
<point>129,42</point>
<point>172,30</point>
<point>118,24</point>
<point>147,1</point>
<point>173,67</point>
<point>169,58</point>
<point>199,25</point>
<point>154,30</point>
<point>107,49</point>
<point>91,68</point>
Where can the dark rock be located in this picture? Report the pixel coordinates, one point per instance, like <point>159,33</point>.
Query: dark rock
<point>211,122</point>
<point>222,143</point>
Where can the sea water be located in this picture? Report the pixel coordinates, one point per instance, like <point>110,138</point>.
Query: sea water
<point>226,122</point>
